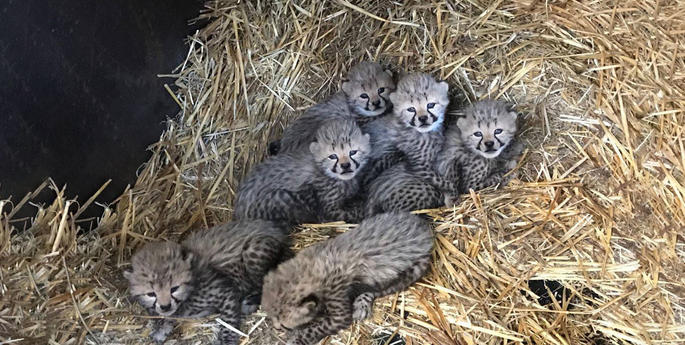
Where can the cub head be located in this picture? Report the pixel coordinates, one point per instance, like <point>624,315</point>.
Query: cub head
<point>367,88</point>
<point>488,127</point>
<point>420,102</point>
<point>289,302</point>
<point>160,277</point>
<point>340,148</point>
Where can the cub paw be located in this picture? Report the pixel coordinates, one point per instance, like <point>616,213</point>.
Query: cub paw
<point>250,304</point>
<point>362,307</point>
<point>511,164</point>
<point>516,150</point>
<point>159,336</point>
<point>361,313</point>
<point>161,332</point>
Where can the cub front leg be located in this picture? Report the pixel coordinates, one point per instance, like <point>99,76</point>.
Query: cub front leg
<point>230,313</point>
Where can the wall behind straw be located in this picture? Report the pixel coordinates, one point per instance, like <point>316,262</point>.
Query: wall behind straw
<point>79,95</point>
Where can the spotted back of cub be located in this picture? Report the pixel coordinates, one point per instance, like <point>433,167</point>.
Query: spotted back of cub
<point>487,127</point>
<point>161,276</point>
<point>341,149</point>
<point>420,101</point>
<point>367,88</point>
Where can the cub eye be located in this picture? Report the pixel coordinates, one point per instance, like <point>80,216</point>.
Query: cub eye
<point>430,105</point>
<point>478,134</point>
<point>353,152</point>
<point>498,131</point>
<point>151,294</point>
<point>381,90</point>
<point>174,289</point>
<point>364,96</point>
<point>332,157</point>
<point>411,110</point>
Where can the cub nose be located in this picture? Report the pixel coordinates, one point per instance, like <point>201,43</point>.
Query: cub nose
<point>165,307</point>
<point>489,144</point>
<point>423,118</point>
<point>377,103</point>
<point>345,165</point>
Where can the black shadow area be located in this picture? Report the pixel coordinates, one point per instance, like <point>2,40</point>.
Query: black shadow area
<point>79,97</point>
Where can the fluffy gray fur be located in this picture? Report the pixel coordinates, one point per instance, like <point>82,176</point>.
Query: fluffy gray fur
<point>213,271</point>
<point>315,186</point>
<point>482,147</point>
<point>461,161</point>
<point>416,131</point>
<point>327,285</point>
<point>398,189</point>
<point>364,95</point>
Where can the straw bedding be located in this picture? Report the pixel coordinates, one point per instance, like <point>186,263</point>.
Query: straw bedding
<point>598,205</point>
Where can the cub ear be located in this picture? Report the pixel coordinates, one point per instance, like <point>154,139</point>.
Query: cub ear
<point>314,148</point>
<point>460,122</point>
<point>366,139</point>
<point>443,87</point>
<point>128,274</point>
<point>310,303</point>
<point>348,87</point>
<point>512,110</point>
<point>388,72</point>
<point>394,98</point>
<point>187,255</point>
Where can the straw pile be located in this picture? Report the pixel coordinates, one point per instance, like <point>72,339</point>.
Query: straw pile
<point>598,206</point>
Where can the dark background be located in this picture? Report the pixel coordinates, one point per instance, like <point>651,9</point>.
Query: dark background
<point>79,95</point>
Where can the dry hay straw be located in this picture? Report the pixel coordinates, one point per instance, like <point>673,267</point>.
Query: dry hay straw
<point>598,206</point>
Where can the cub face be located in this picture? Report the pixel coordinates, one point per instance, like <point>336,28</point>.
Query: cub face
<point>161,277</point>
<point>341,149</point>
<point>368,88</point>
<point>420,102</point>
<point>488,127</point>
<point>288,303</point>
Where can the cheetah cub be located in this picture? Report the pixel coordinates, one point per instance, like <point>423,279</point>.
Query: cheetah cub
<point>212,272</point>
<point>364,96</point>
<point>482,147</point>
<point>315,186</point>
<point>419,105</point>
<point>329,284</point>
<point>465,162</point>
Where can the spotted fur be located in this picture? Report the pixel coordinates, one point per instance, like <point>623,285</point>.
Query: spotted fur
<point>461,161</point>
<point>327,285</point>
<point>213,271</point>
<point>416,131</point>
<point>398,189</point>
<point>315,186</point>
<point>364,95</point>
<point>482,147</point>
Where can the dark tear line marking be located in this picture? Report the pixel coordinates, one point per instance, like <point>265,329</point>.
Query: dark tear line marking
<point>413,122</point>
<point>435,118</point>
<point>355,162</point>
<point>500,141</point>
